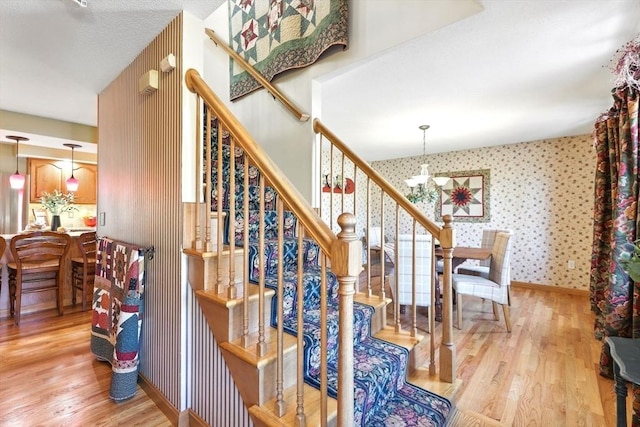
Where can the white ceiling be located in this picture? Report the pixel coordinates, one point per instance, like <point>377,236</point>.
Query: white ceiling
<point>518,70</point>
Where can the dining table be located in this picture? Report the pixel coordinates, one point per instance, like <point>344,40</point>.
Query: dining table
<point>464,253</point>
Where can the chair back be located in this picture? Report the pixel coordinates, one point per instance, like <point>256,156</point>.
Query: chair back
<point>422,268</point>
<point>3,246</point>
<point>39,250</point>
<point>374,237</point>
<point>501,259</point>
<point>488,237</point>
<point>88,245</point>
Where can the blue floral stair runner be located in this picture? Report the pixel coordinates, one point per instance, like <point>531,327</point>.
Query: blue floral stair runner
<point>382,395</point>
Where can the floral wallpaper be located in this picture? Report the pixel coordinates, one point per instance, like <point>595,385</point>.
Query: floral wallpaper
<point>542,190</point>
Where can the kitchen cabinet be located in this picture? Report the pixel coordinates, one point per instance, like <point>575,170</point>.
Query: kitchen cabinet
<point>49,175</point>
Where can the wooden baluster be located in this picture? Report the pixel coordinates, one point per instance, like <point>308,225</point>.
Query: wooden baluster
<point>301,418</point>
<point>368,248</point>
<point>280,408</point>
<point>261,345</point>
<point>383,295</point>
<point>245,255</point>
<point>414,307</point>
<point>197,242</point>
<point>396,290</point>
<point>207,185</point>
<point>219,189</point>
<point>232,290</point>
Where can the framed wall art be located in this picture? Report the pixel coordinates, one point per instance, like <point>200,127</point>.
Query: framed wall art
<point>465,196</point>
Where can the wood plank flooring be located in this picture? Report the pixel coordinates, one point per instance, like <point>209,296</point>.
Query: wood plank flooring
<point>542,374</point>
<point>49,377</point>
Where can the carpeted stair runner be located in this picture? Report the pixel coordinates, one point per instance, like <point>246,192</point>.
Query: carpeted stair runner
<point>382,395</point>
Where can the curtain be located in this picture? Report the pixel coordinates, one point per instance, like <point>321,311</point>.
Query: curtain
<point>615,298</point>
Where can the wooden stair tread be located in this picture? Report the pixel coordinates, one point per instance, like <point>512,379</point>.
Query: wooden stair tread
<point>223,300</point>
<point>250,353</point>
<point>264,415</point>
<point>422,378</point>
<point>402,338</point>
<point>373,301</point>
<point>226,250</point>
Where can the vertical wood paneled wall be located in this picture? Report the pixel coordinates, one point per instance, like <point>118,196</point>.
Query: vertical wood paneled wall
<point>139,192</point>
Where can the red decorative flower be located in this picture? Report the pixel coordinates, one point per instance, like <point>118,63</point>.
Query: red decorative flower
<point>461,196</point>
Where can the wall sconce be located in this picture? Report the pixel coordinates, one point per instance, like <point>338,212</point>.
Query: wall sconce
<point>148,83</point>
<point>17,179</point>
<point>72,182</point>
<point>168,63</point>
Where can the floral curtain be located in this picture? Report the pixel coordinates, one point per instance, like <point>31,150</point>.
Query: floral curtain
<point>615,298</point>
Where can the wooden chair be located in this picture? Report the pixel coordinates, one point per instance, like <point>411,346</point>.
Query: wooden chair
<point>38,265</point>
<point>83,268</point>
<point>3,246</point>
<point>496,287</point>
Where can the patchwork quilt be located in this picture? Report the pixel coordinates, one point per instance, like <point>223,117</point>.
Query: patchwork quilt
<point>278,35</point>
<point>117,312</point>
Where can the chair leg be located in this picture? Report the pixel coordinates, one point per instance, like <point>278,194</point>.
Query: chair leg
<point>459,308</point>
<point>496,313</point>
<point>507,316</point>
<point>17,303</point>
<point>84,291</point>
<point>60,294</point>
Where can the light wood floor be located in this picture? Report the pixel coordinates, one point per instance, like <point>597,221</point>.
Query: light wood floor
<point>49,377</point>
<point>542,374</point>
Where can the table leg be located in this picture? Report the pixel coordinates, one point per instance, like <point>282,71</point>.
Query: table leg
<point>621,393</point>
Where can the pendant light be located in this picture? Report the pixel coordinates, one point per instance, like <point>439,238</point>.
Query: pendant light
<point>17,179</point>
<point>420,185</point>
<point>72,182</point>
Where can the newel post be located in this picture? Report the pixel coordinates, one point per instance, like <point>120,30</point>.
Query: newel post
<point>346,262</point>
<point>448,364</point>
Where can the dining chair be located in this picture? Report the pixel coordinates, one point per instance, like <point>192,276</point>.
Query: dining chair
<point>494,288</point>
<point>83,267</point>
<point>3,246</point>
<point>414,266</point>
<point>38,265</point>
<point>482,269</point>
<point>376,243</point>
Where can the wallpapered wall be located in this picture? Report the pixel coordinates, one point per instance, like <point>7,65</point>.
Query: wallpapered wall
<point>542,190</point>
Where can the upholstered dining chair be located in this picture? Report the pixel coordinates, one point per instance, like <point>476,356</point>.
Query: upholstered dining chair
<point>83,267</point>
<point>494,288</point>
<point>416,266</point>
<point>482,269</point>
<point>38,265</point>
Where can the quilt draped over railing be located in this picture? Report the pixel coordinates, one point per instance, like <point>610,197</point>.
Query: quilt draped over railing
<point>117,312</point>
<point>281,35</point>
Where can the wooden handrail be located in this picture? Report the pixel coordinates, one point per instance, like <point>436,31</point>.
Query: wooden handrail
<point>303,117</point>
<point>410,208</point>
<point>313,224</point>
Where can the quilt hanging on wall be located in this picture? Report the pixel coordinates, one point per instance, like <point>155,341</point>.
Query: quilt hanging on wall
<point>465,196</point>
<point>279,35</point>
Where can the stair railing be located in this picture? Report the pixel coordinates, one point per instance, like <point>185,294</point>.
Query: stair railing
<point>341,252</point>
<point>337,161</point>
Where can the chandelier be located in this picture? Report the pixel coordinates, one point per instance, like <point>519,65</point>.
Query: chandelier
<point>420,185</point>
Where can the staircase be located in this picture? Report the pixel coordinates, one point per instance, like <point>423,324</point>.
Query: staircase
<point>276,293</point>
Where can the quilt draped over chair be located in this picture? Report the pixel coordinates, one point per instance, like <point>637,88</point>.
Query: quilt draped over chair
<point>117,312</point>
